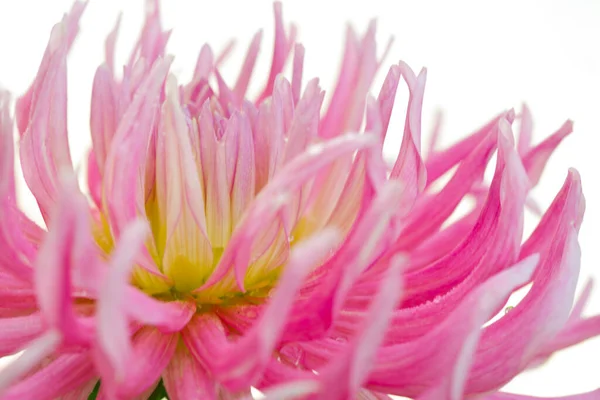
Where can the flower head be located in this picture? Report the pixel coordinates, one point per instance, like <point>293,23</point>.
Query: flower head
<point>222,243</point>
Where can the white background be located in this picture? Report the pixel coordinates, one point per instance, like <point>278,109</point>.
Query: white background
<point>482,57</point>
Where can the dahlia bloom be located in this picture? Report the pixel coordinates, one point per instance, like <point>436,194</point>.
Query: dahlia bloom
<point>221,243</point>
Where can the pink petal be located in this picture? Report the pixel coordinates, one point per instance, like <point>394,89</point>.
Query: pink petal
<point>439,163</point>
<point>359,64</point>
<point>441,358</point>
<point>241,85</point>
<point>17,332</point>
<point>185,379</point>
<point>409,168</point>
<point>281,52</point>
<point>525,131</point>
<point>535,160</point>
<point>104,114</point>
<point>39,349</point>
<point>65,373</point>
<point>273,197</point>
<point>179,192</point>
<point>44,146</point>
<point>66,245</point>
<point>348,371</point>
<point>152,352</point>
<point>26,102</point>
<point>508,345</point>
<point>429,214</point>
<point>297,72</point>
<point>243,362</point>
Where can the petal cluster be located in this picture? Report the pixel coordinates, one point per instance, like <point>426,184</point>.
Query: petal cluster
<point>222,242</point>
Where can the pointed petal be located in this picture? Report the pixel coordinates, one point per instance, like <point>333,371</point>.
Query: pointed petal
<point>241,85</point>
<point>103,115</point>
<point>409,168</point>
<point>441,162</point>
<point>44,146</point>
<point>297,72</point>
<point>26,102</point>
<point>281,52</point>
<point>539,316</point>
<point>525,131</point>
<point>535,160</point>
<point>345,112</point>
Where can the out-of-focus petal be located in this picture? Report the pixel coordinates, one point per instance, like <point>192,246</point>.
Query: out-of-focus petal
<point>593,395</point>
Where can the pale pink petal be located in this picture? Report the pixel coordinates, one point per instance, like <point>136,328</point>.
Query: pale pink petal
<point>180,200</point>
<point>345,112</point>
<point>67,372</point>
<point>44,146</point>
<point>241,85</point>
<point>213,161</point>
<point>122,192</point>
<point>593,395</point>
<point>525,131</point>
<point>281,50</point>
<point>103,115</point>
<point>14,248</point>
<point>297,72</point>
<point>37,350</point>
<point>24,105</point>
<point>273,197</point>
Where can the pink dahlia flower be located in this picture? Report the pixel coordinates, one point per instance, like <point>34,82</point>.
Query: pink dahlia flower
<point>222,243</point>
